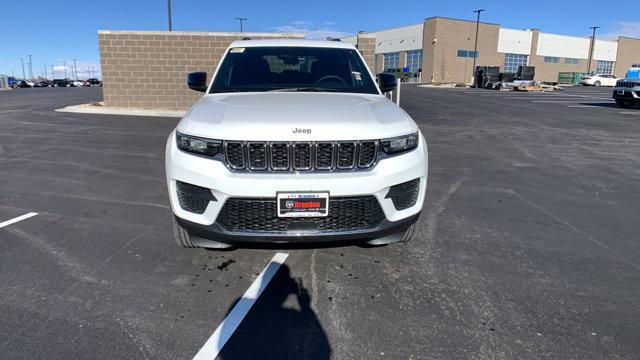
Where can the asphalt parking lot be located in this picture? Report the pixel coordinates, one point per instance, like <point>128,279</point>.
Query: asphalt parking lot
<point>527,246</point>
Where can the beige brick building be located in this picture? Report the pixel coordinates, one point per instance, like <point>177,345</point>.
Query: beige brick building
<point>147,69</point>
<point>441,50</point>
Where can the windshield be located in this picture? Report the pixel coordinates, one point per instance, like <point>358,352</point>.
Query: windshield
<point>293,69</point>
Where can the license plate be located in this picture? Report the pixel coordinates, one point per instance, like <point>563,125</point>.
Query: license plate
<point>309,204</point>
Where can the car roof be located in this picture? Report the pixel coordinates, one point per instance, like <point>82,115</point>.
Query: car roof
<point>292,42</point>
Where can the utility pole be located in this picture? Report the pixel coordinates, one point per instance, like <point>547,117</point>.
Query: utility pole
<point>169,10</point>
<point>52,75</point>
<point>75,69</point>
<point>64,63</point>
<point>475,47</point>
<point>30,69</point>
<point>45,71</point>
<point>242,20</point>
<point>591,46</point>
<point>23,75</point>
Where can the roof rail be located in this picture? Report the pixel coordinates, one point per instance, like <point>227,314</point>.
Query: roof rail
<point>247,38</point>
<point>333,39</point>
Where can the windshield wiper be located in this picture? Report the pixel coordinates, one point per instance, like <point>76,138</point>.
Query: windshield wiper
<point>303,89</point>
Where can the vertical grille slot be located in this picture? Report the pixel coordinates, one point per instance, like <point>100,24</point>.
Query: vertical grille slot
<point>234,154</point>
<point>324,156</point>
<point>257,156</point>
<point>279,156</point>
<point>368,153</point>
<point>346,155</point>
<point>302,156</point>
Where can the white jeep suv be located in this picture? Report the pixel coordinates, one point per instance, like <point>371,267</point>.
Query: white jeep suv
<point>294,142</point>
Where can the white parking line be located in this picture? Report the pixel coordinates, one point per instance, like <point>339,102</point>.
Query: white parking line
<point>629,113</point>
<point>565,101</point>
<point>224,331</point>
<point>15,220</point>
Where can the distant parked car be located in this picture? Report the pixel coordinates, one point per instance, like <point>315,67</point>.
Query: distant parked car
<point>94,82</point>
<point>61,83</point>
<point>627,92</point>
<point>599,80</point>
<point>22,84</point>
<point>44,83</point>
<point>78,83</point>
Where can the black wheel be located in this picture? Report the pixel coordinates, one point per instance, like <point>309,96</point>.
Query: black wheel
<point>624,103</point>
<point>409,234</point>
<point>597,83</point>
<point>181,235</point>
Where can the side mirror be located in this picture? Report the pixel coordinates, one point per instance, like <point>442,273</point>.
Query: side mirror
<point>197,81</point>
<point>387,82</point>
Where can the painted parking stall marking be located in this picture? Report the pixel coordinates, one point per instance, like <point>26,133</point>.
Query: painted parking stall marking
<point>19,218</point>
<point>223,333</point>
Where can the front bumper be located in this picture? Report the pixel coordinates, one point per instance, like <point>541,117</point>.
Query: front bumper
<point>626,93</point>
<point>224,184</point>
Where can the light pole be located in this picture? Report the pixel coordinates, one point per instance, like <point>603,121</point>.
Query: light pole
<point>591,46</point>
<point>30,69</point>
<point>52,75</point>
<point>466,60</point>
<point>23,75</point>
<point>475,47</point>
<point>64,64</point>
<point>242,20</point>
<point>169,10</point>
<point>75,69</point>
<point>45,71</point>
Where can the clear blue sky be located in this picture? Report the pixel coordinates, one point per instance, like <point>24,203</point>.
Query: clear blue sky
<point>53,31</point>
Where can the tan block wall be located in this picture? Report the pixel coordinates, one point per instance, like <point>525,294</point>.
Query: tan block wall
<point>628,53</point>
<point>549,71</point>
<point>441,63</point>
<point>366,44</point>
<point>148,69</point>
<point>379,63</point>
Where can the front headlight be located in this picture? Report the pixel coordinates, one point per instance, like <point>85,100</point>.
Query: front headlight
<point>198,145</point>
<point>399,144</point>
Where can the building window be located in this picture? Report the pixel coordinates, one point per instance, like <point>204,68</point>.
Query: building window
<point>604,67</point>
<point>551,59</point>
<point>391,61</point>
<point>467,53</point>
<point>570,61</point>
<point>414,60</point>
<point>512,61</point>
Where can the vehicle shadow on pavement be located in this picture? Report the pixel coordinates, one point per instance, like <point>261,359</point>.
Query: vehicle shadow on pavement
<point>280,325</point>
<point>602,104</point>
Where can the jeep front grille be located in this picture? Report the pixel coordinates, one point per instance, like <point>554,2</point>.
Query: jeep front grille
<point>627,84</point>
<point>355,213</point>
<point>300,156</point>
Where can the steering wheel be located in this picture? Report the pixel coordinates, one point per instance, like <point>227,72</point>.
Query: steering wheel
<point>331,77</point>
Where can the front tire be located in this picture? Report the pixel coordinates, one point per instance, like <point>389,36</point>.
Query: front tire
<point>409,234</point>
<point>181,235</point>
<point>597,83</point>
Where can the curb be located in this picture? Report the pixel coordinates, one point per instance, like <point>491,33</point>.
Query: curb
<point>92,109</point>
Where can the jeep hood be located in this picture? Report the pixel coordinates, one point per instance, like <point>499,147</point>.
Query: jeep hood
<point>275,116</point>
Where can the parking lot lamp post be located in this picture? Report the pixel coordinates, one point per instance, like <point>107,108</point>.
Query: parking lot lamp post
<point>30,68</point>
<point>52,75</point>
<point>169,13</point>
<point>475,47</point>
<point>45,71</point>
<point>22,61</point>
<point>242,20</point>
<point>64,64</point>
<point>591,46</point>
<point>75,69</point>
